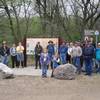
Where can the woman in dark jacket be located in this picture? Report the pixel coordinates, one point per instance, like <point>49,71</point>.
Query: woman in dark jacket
<point>4,52</point>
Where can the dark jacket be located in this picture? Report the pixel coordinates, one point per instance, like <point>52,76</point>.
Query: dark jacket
<point>88,51</point>
<point>4,52</point>
<point>38,50</point>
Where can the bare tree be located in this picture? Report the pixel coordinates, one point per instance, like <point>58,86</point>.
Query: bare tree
<point>7,10</point>
<point>87,12</point>
<point>53,14</point>
<point>19,13</point>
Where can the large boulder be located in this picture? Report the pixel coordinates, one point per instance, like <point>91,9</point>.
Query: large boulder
<point>67,72</point>
<point>5,71</point>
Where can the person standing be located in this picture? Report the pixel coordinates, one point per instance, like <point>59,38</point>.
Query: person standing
<point>63,53</point>
<point>92,42</point>
<point>13,53</point>
<point>70,48</point>
<point>68,57</point>
<point>38,51</point>
<point>4,52</point>
<point>98,58</point>
<point>88,54</point>
<point>51,52</point>
<point>20,55</point>
<point>44,61</point>
<point>76,56</point>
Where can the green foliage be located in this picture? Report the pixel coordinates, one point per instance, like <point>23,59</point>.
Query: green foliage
<point>35,30</point>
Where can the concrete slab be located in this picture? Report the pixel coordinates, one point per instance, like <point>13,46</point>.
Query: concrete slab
<point>29,71</point>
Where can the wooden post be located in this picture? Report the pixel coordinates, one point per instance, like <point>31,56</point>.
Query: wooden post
<point>25,55</point>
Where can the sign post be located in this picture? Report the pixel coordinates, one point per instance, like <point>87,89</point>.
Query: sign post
<point>96,34</point>
<point>89,32</point>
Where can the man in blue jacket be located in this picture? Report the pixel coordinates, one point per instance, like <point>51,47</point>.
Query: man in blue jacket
<point>63,53</point>
<point>88,54</point>
<point>51,51</point>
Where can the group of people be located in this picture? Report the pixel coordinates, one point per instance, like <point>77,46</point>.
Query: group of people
<point>77,53</point>
<point>16,53</point>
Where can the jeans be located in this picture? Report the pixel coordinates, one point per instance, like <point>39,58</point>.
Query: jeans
<point>37,61</point>
<point>50,57</point>
<point>76,62</point>
<point>98,69</point>
<point>55,64</point>
<point>88,65</point>
<point>44,70</point>
<point>20,59</point>
<point>63,58</point>
<point>4,60</point>
<point>14,61</point>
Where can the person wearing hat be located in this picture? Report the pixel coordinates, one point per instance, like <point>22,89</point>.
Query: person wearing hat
<point>4,52</point>
<point>51,51</point>
<point>98,57</point>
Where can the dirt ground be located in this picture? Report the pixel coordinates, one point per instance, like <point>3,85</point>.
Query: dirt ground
<point>37,88</point>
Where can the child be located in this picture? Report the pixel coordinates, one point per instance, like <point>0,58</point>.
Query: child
<point>56,62</point>
<point>44,61</point>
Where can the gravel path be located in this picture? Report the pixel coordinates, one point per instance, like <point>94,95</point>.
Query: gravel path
<point>37,88</point>
<point>30,86</point>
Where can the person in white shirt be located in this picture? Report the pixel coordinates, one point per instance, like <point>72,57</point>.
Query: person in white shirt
<point>76,54</point>
<point>70,47</point>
